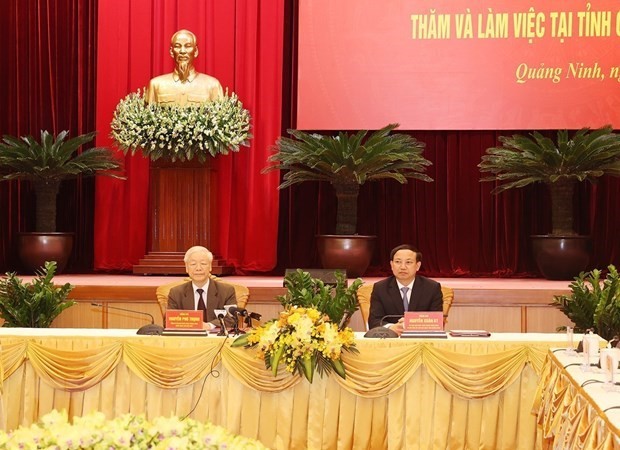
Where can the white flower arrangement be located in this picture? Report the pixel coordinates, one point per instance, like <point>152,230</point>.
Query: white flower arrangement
<point>94,432</point>
<point>180,132</point>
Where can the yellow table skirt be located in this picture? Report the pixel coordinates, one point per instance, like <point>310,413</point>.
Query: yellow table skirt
<point>572,406</point>
<point>416,394</point>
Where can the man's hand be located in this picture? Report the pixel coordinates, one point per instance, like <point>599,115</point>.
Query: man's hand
<point>397,327</point>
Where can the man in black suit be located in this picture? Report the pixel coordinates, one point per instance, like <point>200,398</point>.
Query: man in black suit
<point>202,292</point>
<point>390,296</point>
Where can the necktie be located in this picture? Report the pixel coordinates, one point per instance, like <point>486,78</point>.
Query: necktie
<point>404,290</point>
<point>201,304</point>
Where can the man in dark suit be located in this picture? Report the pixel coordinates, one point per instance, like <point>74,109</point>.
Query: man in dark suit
<point>202,292</point>
<point>405,287</point>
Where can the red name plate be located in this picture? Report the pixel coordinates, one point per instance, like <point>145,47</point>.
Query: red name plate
<point>183,319</point>
<point>423,321</point>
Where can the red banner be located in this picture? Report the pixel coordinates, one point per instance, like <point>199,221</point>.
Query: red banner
<point>454,64</point>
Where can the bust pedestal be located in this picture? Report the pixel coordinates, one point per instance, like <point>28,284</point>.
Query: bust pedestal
<point>182,200</point>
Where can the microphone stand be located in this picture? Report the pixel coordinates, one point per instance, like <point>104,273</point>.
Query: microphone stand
<point>223,329</point>
<point>150,329</point>
<point>236,331</point>
<point>253,315</point>
<point>344,322</point>
<point>235,313</point>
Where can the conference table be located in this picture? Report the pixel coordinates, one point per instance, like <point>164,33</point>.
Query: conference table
<point>463,392</point>
<point>576,409</point>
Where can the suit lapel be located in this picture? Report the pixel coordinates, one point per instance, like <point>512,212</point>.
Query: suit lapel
<point>416,291</point>
<point>212,294</point>
<point>396,295</point>
<point>188,297</point>
<point>212,300</point>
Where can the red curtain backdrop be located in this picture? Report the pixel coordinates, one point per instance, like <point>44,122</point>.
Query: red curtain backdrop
<point>240,43</point>
<point>47,81</point>
<point>460,227</point>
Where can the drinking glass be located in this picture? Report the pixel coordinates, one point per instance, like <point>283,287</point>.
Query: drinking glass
<point>570,345</point>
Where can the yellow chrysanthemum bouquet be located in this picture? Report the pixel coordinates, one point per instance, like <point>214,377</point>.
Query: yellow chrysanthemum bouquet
<point>312,331</point>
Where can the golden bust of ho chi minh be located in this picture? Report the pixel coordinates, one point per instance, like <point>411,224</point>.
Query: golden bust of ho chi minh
<point>184,86</point>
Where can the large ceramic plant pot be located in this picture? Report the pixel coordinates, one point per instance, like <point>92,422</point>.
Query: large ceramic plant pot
<point>36,248</point>
<point>561,257</point>
<point>350,252</point>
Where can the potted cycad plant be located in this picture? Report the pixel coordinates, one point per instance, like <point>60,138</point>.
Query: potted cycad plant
<point>46,163</point>
<point>560,164</point>
<point>347,161</point>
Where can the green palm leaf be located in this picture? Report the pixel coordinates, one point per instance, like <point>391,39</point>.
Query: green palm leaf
<point>49,161</point>
<point>54,158</point>
<point>524,160</point>
<point>349,160</point>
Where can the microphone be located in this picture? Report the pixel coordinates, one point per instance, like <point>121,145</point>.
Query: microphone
<point>223,330</point>
<point>344,322</point>
<point>382,332</point>
<point>252,316</point>
<point>236,313</point>
<point>240,311</point>
<point>150,329</point>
